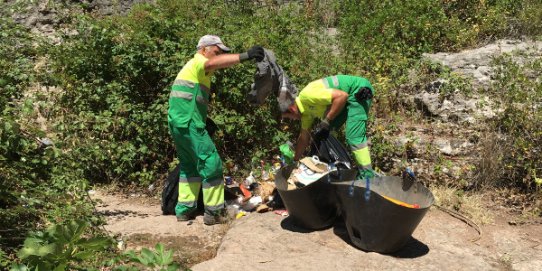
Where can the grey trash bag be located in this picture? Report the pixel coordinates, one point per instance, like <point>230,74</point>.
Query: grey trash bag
<point>270,78</point>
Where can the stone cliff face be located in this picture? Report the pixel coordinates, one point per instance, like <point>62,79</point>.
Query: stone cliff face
<point>455,120</point>
<point>45,16</point>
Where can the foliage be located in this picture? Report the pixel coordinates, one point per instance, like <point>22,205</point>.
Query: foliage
<point>61,247</point>
<point>39,184</point>
<point>16,61</point>
<point>159,259</point>
<point>520,122</point>
<point>116,73</point>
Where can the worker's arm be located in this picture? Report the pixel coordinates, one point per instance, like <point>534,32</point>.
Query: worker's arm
<point>302,143</point>
<point>338,101</point>
<point>220,62</point>
<point>227,60</point>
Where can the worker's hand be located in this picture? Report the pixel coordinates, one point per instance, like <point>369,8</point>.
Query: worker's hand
<point>321,130</point>
<point>255,52</point>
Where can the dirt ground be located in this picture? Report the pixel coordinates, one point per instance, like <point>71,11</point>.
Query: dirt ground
<point>269,241</point>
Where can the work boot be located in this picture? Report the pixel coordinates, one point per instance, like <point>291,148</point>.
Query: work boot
<point>209,219</point>
<point>187,216</point>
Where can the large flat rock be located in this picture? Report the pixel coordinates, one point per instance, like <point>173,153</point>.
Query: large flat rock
<point>441,242</point>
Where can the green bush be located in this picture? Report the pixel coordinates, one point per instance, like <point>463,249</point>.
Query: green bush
<point>16,61</point>
<point>61,247</point>
<point>518,127</point>
<point>38,184</point>
<point>116,73</point>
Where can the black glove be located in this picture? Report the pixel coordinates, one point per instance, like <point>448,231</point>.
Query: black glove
<point>211,127</point>
<point>363,94</point>
<point>255,52</point>
<point>321,130</point>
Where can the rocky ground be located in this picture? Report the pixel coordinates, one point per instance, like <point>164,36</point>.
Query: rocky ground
<point>269,241</point>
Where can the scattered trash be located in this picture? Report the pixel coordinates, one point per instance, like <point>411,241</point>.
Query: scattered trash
<point>121,245</point>
<point>287,152</point>
<point>314,164</point>
<point>281,212</point>
<point>262,208</point>
<point>245,192</point>
<point>252,203</point>
<point>305,175</point>
<point>257,191</point>
<point>249,180</point>
<point>228,180</point>
<point>240,214</point>
<point>45,142</point>
<point>309,170</point>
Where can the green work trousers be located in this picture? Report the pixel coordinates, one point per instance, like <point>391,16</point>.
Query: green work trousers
<point>201,168</point>
<point>354,115</point>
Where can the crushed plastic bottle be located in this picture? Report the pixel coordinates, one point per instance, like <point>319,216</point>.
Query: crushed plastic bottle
<point>287,153</point>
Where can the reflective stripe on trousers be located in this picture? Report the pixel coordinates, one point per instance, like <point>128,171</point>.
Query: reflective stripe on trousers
<point>201,168</point>
<point>362,155</point>
<point>213,195</point>
<point>356,136</point>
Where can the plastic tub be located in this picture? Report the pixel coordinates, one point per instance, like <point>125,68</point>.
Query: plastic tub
<point>375,223</point>
<point>314,206</point>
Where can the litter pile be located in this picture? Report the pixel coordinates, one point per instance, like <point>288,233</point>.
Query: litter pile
<point>310,170</point>
<point>258,193</point>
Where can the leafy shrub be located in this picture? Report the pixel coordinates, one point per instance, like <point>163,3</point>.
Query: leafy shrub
<point>159,259</point>
<point>517,128</point>
<point>61,247</point>
<point>117,72</point>
<point>16,61</point>
<point>38,183</point>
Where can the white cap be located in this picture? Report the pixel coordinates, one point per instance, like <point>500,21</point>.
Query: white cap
<point>209,40</point>
<point>285,99</point>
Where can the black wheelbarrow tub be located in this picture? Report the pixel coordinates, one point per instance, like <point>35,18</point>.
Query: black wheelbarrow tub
<point>375,223</point>
<point>314,206</point>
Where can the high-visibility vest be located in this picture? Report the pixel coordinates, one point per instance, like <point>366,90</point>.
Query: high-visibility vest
<point>190,92</point>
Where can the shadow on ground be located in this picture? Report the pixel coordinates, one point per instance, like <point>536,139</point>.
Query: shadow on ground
<point>412,249</point>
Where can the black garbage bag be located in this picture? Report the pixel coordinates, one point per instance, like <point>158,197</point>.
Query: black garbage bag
<point>330,150</point>
<point>211,127</point>
<point>170,193</point>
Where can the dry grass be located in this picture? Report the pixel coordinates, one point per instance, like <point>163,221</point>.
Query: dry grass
<point>470,205</point>
<point>490,168</point>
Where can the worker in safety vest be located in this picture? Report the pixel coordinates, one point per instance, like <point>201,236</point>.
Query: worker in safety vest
<point>201,166</point>
<point>334,100</point>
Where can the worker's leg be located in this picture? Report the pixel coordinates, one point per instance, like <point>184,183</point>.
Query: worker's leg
<point>356,137</point>
<point>213,184</point>
<point>210,170</point>
<point>189,179</point>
